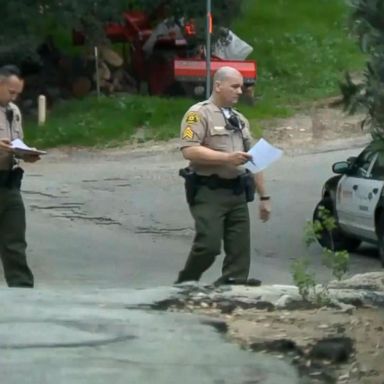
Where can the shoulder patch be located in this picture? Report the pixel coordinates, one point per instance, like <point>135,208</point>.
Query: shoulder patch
<point>188,133</point>
<point>192,118</point>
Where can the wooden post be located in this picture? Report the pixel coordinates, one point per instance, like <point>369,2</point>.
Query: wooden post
<point>97,71</point>
<point>42,109</point>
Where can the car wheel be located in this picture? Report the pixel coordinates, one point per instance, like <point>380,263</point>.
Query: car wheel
<point>335,240</point>
<point>380,236</point>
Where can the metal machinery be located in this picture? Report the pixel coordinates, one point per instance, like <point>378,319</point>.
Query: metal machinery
<point>175,64</point>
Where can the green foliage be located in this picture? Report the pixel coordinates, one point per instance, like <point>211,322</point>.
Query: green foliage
<point>303,278</point>
<point>314,229</point>
<point>336,261</point>
<point>19,20</point>
<point>25,23</point>
<point>108,121</point>
<point>302,48</point>
<point>368,95</point>
<point>88,16</point>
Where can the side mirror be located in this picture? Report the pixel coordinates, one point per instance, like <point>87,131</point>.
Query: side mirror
<point>341,167</point>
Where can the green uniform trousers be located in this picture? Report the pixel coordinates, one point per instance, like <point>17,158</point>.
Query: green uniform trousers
<point>220,216</point>
<point>12,239</point>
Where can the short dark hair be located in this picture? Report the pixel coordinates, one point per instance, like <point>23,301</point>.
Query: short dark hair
<point>9,70</point>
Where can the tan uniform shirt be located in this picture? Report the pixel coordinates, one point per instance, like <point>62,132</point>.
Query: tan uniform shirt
<point>205,124</point>
<point>9,131</point>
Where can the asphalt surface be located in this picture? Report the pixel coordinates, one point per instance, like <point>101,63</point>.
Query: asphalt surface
<point>118,218</point>
<point>101,336</point>
<point>101,225</point>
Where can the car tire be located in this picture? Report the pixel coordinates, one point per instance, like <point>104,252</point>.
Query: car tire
<point>341,241</point>
<point>380,236</point>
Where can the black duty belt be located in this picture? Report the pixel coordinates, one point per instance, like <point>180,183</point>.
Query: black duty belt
<point>214,182</point>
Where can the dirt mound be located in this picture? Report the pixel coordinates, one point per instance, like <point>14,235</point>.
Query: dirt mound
<point>313,128</point>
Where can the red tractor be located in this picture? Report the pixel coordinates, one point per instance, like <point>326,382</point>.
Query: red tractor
<point>167,58</point>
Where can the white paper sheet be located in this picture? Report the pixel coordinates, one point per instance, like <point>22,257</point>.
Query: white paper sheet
<point>19,146</point>
<point>17,143</point>
<point>263,155</point>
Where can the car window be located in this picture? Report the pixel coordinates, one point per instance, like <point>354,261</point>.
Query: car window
<point>377,171</point>
<point>362,163</point>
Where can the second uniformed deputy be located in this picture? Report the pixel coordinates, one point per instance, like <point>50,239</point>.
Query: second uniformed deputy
<point>12,211</point>
<point>215,139</point>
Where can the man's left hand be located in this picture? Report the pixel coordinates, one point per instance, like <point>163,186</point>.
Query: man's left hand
<point>264,210</point>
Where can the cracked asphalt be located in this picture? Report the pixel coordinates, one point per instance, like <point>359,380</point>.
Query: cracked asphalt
<point>118,218</point>
<point>97,337</point>
<point>102,225</point>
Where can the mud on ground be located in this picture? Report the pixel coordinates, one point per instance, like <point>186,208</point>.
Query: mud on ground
<point>310,129</point>
<point>357,340</point>
<point>364,327</point>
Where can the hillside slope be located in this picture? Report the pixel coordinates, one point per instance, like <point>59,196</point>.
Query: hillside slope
<point>302,47</point>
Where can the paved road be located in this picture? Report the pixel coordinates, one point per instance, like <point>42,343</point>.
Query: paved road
<point>118,219</point>
<point>102,336</point>
<point>102,223</point>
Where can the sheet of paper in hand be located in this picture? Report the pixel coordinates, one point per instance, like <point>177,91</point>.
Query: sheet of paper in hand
<point>19,147</point>
<point>263,155</point>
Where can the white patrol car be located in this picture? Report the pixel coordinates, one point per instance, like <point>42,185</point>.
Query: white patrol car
<point>356,199</point>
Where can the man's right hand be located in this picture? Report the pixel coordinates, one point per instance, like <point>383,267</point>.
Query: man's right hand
<point>238,158</point>
<point>5,145</point>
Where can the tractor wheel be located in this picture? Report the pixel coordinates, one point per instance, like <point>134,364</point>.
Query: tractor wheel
<point>335,240</point>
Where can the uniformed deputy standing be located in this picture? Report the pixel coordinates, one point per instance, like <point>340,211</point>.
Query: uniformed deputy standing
<point>215,139</point>
<point>12,211</point>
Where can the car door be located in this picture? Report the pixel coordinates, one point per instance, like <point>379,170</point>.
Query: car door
<point>358,194</point>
